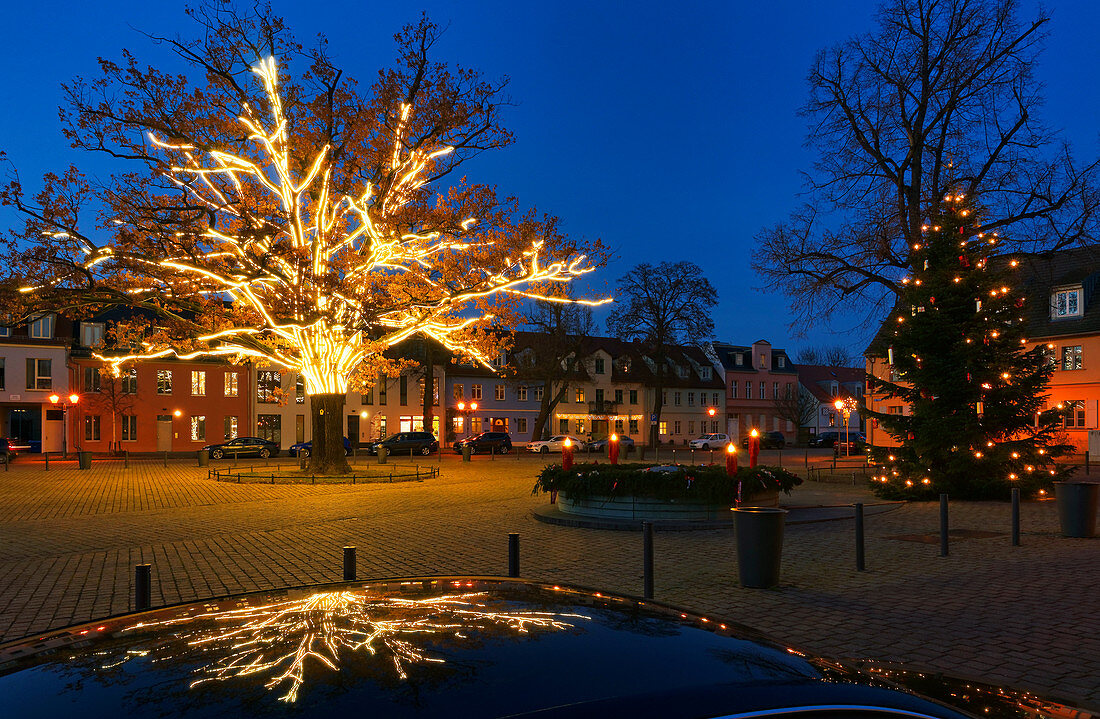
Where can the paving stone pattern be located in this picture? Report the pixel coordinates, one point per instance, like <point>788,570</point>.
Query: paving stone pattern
<point>1026,616</point>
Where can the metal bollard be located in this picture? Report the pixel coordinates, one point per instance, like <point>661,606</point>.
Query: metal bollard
<point>943,525</point>
<point>513,555</point>
<point>126,459</point>
<point>46,455</point>
<point>647,560</point>
<point>1015,516</point>
<point>492,452</point>
<point>349,564</point>
<point>1087,462</point>
<point>143,587</point>
<point>692,457</point>
<point>166,459</point>
<point>860,566</point>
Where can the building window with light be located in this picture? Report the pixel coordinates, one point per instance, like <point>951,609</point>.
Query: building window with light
<point>231,427</point>
<point>198,383</point>
<point>633,424</point>
<point>129,427</point>
<point>498,392</point>
<point>39,374</point>
<point>91,429</point>
<point>1075,418</point>
<point>231,387</point>
<point>475,391</point>
<point>580,394</point>
<point>663,427</point>
<point>475,425</point>
<point>198,428</point>
<point>300,390</point>
<point>268,383</point>
<point>164,381</point>
<point>1071,357</point>
<point>580,426</point>
<point>1065,303</point>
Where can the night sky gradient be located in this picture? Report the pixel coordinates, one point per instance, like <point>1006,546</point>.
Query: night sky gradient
<point>669,130</point>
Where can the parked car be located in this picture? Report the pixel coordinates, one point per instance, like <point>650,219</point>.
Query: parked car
<point>244,447</point>
<point>855,444</point>
<point>625,444</point>
<point>499,442</point>
<point>545,446</point>
<point>306,448</point>
<point>768,440</point>
<point>710,441</point>
<point>460,648</point>
<point>409,443</point>
<point>7,454</point>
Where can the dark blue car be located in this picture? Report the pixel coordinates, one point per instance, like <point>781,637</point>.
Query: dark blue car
<point>306,448</point>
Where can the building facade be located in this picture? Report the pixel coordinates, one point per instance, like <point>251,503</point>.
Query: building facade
<point>33,366</point>
<point>758,380</point>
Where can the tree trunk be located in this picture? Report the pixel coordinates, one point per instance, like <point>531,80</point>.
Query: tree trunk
<point>429,395</point>
<point>327,456</point>
<point>550,400</point>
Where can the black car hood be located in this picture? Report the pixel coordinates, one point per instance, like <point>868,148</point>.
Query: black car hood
<point>456,647</point>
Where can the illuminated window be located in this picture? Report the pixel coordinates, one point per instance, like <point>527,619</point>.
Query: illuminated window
<point>198,383</point>
<point>1065,303</point>
<point>231,427</point>
<point>1075,418</point>
<point>300,390</point>
<point>580,394</point>
<point>268,384</point>
<point>231,388</point>
<point>198,428</point>
<point>1071,357</point>
<point>129,381</point>
<point>580,426</point>
<point>475,425</point>
<point>633,426</point>
<point>164,381</point>
<point>269,427</point>
<point>663,428</point>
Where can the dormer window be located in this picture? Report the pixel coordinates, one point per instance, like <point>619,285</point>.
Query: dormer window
<point>91,333</point>
<point>1065,303</point>
<point>739,359</point>
<point>500,360</point>
<point>781,361</point>
<point>705,373</point>
<point>682,371</point>
<point>42,328</point>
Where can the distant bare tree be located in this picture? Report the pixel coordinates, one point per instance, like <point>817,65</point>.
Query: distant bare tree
<point>800,408</point>
<point>110,395</point>
<point>662,306</point>
<point>563,328</point>
<point>830,356</point>
<point>939,100</point>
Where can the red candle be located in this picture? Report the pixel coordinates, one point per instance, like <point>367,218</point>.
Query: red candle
<point>567,454</point>
<point>613,449</point>
<point>754,448</point>
<point>731,459</point>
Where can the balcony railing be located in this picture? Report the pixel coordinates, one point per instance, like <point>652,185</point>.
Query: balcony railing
<point>602,407</point>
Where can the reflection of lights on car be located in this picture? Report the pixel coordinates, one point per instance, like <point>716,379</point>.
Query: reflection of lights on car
<point>277,641</point>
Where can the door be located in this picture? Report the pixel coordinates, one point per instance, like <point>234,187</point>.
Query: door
<point>164,432</point>
<point>300,428</point>
<point>353,430</point>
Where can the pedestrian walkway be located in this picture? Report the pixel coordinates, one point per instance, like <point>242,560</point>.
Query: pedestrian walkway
<point>1023,615</point>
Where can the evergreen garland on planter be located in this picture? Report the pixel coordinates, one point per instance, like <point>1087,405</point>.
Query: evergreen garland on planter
<point>975,426</point>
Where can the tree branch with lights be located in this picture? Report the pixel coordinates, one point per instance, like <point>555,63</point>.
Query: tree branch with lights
<point>291,221</point>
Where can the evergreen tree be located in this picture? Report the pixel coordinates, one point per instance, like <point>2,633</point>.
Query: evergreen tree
<point>957,345</point>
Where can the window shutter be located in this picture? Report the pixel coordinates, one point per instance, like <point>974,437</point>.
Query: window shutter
<point>1090,413</point>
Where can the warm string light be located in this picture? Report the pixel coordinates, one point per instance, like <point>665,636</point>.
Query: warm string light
<point>341,247</point>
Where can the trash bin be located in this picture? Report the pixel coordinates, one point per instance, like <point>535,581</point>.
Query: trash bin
<point>465,453</point>
<point>85,460</point>
<point>383,453</point>
<point>759,545</point>
<point>204,457</point>
<point>1077,504</point>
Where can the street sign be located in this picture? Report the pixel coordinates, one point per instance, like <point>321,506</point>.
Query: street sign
<point>653,418</point>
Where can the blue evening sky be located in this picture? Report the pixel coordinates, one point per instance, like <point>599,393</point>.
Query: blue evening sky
<point>670,130</point>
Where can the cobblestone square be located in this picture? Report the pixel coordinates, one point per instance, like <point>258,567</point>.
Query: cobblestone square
<point>1021,615</point>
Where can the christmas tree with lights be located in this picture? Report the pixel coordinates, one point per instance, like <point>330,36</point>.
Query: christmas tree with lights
<point>956,344</point>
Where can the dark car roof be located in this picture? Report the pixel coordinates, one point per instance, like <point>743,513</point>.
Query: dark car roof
<point>439,646</point>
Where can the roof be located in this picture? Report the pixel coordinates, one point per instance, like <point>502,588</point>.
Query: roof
<point>813,375</point>
<point>726,355</point>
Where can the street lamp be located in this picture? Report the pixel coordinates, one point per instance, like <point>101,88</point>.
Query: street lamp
<point>846,407</point>
<point>73,399</point>
<point>466,410</point>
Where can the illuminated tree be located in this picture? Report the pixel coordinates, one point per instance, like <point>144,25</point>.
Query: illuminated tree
<point>296,221</point>
<point>957,349</point>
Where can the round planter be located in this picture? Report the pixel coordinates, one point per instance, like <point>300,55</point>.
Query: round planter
<point>630,507</point>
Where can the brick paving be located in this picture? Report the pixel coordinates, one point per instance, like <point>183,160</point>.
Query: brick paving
<point>1026,616</point>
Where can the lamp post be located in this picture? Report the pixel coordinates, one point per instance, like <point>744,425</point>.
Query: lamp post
<point>72,401</point>
<point>712,412</point>
<point>846,407</point>
<point>466,410</point>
